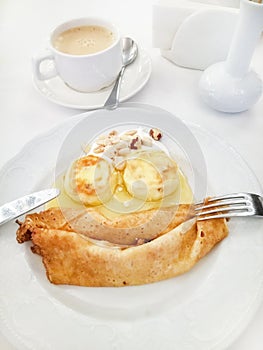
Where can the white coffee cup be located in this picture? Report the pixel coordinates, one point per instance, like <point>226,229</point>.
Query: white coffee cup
<point>85,73</point>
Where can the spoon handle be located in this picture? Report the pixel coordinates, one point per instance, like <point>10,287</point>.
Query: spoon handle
<point>113,100</point>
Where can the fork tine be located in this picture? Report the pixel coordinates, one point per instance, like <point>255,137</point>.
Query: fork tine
<point>223,197</point>
<point>220,204</point>
<point>224,209</point>
<point>230,205</point>
<point>225,215</point>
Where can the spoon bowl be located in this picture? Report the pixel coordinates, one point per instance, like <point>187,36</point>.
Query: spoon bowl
<point>129,51</point>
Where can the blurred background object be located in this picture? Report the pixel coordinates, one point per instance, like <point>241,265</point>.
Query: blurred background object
<point>194,34</point>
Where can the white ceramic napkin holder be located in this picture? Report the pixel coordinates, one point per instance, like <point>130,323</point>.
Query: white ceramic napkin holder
<point>194,34</point>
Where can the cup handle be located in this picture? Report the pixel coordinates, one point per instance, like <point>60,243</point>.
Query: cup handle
<point>37,60</point>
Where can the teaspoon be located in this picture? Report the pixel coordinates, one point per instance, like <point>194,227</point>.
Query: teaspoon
<point>129,53</point>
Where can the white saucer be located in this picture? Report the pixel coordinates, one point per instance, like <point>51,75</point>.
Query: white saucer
<point>135,77</point>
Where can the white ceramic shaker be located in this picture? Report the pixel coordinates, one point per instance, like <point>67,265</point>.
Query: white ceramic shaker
<point>231,86</point>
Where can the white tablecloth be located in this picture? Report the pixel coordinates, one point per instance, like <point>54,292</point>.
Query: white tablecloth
<point>24,113</point>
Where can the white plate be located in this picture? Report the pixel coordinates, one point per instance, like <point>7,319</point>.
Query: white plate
<point>206,308</point>
<point>135,77</point>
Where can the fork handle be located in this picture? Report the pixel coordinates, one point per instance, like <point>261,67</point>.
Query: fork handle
<point>259,205</point>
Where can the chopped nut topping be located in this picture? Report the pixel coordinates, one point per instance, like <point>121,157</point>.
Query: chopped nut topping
<point>99,149</point>
<point>101,142</point>
<point>107,141</point>
<point>125,137</point>
<point>124,151</point>
<point>155,134</point>
<point>135,143</point>
<point>147,141</point>
<point>116,145</point>
<point>114,140</point>
<point>110,152</point>
<point>86,148</point>
<point>130,132</point>
<point>113,133</point>
<point>121,144</point>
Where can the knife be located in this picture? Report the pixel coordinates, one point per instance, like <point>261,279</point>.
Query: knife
<point>20,206</point>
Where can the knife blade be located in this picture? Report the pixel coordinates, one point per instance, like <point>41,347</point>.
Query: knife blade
<point>20,206</point>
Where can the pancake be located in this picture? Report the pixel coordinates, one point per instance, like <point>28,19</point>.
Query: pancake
<point>122,230</point>
<point>153,255</point>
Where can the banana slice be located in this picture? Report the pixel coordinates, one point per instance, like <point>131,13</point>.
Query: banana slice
<point>90,180</point>
<point>151,176</point>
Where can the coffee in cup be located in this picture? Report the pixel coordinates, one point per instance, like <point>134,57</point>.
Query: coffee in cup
<point>86,53</point>
<point>84,40</point>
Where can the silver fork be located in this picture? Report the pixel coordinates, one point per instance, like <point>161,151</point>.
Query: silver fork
<point>231,205</point>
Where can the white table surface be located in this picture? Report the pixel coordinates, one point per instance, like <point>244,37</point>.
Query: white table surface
<point>24,113</point>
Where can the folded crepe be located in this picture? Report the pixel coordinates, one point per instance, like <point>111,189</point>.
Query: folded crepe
<point>145,247</point>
